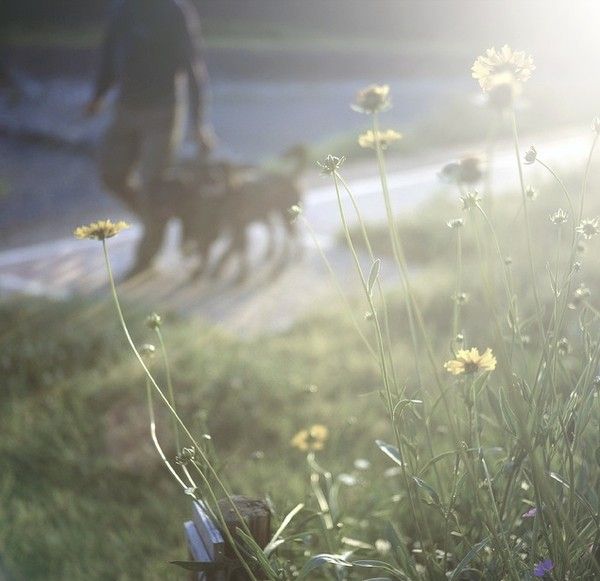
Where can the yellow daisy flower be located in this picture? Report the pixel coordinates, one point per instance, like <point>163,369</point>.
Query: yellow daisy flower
<point>311,439</point>
<point>368,138</point>
<point>100,230</point>
<point>469,361</point>
<point>502,64</point>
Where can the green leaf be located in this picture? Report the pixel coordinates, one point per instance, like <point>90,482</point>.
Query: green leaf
<point>479,383</point>
<point>200,566</point>
<point>437,458</point>
<point>375,268</point>
<point>468,558</point>
<point>255,551</point>
<point>403,404</point>
<point>430,490</point>
<point>507,414</point>
<point>559,479</point>
<point>323,559</point>
<point>286,521</point>
<point>374,564</point>
<point>403,557</point>
<point>390,451</point>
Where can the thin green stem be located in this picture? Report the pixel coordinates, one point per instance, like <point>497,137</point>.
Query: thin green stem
<point>564,190</point>
<point>171,409</point>
<point>336,283</point>
<point>155,438</point>
<point>382,357</point>
<point>538,305</point>
<point>170,390</point>
<point>586,175</point>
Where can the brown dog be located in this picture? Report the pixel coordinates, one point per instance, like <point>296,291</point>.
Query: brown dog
<point>236,199</point>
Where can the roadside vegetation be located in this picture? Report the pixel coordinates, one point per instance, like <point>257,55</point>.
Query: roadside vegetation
<point>446,428</point>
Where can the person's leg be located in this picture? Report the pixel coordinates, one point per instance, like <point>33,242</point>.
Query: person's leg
<point>117,157</point>
<point>153,196</point>
<point>149,245</point>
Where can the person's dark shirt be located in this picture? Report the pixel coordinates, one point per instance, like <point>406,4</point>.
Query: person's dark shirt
<point>147,43</point>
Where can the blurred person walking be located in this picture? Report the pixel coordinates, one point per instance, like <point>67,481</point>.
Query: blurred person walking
<point>148,45</point>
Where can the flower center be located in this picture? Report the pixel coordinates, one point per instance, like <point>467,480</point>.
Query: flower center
<point>471,367</point>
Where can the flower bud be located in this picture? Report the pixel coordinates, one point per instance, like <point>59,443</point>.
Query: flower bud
<point>531,155</point>
<point>153,321</point>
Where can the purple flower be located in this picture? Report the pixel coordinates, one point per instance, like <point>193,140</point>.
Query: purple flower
<point>530,513</point>
<point>543,567</point>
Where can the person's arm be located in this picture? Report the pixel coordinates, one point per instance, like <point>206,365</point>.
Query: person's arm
<point>197,74</point>
<point>106,75</point>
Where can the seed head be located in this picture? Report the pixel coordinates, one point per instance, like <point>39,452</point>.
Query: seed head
<point>563,346</point>
<point>589,228</point>
<point>147,350</point>
<point>294,211</point>
<point>373,99</point>
<point>186,456</point>
<point>455,223</point>
<point>581,293</point>
<point>530,155</point>
<point>470,200</point>
<point>559,217</point>
<point>153,321</point>
<point>331,164</point>
<point>531,193</point>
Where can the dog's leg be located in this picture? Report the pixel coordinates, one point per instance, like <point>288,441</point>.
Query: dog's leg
<point>221,263</point>
<point>292,237</point>
<point>241,242</point>
<point>272,239</point>
<point>202,254</point>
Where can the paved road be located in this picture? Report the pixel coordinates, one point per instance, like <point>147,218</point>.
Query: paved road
<point>64,267</point>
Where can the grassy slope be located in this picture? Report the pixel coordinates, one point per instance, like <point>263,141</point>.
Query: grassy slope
<point>81,488</point>
<point>81,492</point>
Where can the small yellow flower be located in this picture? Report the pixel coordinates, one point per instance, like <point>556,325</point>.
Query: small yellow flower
<point>469,361</point>
<point>370,138</point>
<point>100,230</point>
<point>372,99</point>
<point>311,439</point>
<point>497,67</point>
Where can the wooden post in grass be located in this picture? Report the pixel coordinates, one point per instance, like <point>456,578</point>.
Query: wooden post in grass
<point>206,543</point>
